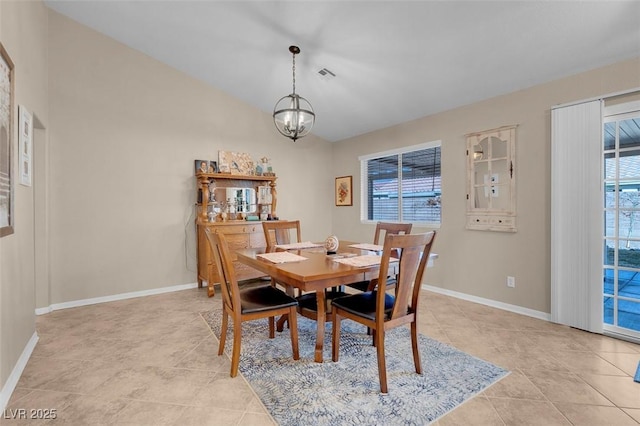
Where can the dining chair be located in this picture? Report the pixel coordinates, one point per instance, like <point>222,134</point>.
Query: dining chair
<point>280,232</point>
<point>379,310</point>
<point>248,303</point>
<point>382,230</point>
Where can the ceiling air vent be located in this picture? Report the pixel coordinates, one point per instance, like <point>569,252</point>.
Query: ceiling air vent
<point>325,74</point>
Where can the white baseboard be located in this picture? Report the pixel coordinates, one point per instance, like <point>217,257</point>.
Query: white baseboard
<point>113,298</point>
<point>488,302</point>
<point>12,381</point>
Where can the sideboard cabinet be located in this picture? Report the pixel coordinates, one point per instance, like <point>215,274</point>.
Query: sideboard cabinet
<point>239,233</point>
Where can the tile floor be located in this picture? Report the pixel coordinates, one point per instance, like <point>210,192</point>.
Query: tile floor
<point>153,361</point>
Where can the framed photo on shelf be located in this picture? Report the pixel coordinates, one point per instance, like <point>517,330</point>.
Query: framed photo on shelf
<point>25,145</point>
<point>344,193</point>
<point>206,166</point>
<point>6,142</point>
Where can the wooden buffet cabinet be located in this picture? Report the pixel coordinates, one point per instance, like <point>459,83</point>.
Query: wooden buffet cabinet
<point>239,233</point>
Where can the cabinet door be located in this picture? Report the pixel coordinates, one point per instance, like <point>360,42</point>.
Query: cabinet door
<point>491,180</point>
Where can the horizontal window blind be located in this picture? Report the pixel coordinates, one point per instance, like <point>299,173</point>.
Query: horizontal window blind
<point>404,186</point>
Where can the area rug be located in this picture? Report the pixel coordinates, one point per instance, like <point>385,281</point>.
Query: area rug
<point>347,392</point>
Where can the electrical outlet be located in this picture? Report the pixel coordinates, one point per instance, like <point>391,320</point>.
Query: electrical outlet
<point>511,282</point>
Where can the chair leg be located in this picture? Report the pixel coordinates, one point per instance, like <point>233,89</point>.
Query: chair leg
<point>293,329</point>
<point>272,322</point>
<point>414,345</point>
<point>223,331</point>
<point>280,324</point>
<point>382,366</point>
<point>235,354</point>
<point>335,336</point>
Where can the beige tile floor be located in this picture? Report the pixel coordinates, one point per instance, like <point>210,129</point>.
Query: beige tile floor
<point>153,360</point>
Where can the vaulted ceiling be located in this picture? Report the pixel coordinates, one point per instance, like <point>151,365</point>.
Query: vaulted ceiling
<point>393,61</point>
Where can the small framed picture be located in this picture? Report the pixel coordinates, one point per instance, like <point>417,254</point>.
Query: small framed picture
<point>206,166</point>
<point>25,144</point>
<point>344,194</point>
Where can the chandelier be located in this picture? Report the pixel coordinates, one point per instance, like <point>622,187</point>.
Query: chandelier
<point>293,114</point>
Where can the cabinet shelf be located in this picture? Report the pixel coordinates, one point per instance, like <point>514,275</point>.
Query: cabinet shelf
<point>238,177</point>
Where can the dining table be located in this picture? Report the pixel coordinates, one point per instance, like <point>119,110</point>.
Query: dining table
<point>315,271</point>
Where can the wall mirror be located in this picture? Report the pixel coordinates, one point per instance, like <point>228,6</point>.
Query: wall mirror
<point>491,180</point>
<point>239,200</point>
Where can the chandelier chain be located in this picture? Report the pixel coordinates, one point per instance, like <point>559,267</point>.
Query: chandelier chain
<point>294,73</point>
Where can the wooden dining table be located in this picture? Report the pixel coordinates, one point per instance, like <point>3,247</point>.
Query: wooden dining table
<point>318,272</point>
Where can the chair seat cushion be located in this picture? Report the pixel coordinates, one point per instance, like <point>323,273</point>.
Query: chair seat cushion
<point>364,285</point>
<point>258,299</point>
<point>360,285</point>
<point>309,300</point>
<point>364,304</point>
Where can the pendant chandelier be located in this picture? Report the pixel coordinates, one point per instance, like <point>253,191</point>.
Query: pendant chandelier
<point>293,114</point>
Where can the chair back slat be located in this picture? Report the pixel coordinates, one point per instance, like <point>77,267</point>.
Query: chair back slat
<point>385,228</point>
<point>226,271</point>
<point>413,253</point>
<point>279,232</point>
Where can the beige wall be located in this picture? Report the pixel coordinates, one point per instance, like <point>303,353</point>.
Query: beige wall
<point>125,132</point>
<point>476,262</point>
<point>23,32</point>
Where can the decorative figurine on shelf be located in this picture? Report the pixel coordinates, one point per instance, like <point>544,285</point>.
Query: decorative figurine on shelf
<point>331,244</point>
<point>266,167</point>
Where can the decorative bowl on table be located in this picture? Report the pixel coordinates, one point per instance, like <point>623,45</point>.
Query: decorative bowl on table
<point>331,244</point>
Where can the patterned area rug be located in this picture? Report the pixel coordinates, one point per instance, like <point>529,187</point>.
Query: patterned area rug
<point>347,392</point>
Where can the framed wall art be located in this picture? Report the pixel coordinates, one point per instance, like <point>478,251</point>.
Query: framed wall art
<point>344,194</point>
<point>6,132</point>
<point>25,145</point>
<point>236,163</point>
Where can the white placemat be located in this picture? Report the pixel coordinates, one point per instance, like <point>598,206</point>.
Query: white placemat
<point>298,246</point>
<point>367,246</point>
<point>281,257</point>
<point>362,261</point>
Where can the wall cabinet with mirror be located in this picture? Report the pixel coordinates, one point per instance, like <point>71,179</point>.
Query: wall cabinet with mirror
<point>491,181</point>
<point>224,203</point>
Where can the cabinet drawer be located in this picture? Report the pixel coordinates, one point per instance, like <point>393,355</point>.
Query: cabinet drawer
<point>230,229</point>
<point>237,241</point>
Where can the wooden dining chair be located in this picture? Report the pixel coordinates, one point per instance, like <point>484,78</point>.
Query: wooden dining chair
<point>381,311</point>
<point>382,230</point>
<point>249,303</point>
<point>280,232</point>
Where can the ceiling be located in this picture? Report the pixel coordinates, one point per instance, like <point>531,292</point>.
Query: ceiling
<point>393,61</point>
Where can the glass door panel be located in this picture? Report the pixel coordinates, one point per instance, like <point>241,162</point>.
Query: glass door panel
<point>621,257</point>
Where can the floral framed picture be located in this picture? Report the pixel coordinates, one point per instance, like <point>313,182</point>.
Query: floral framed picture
<point>344,193</point>
<point>6,132</point>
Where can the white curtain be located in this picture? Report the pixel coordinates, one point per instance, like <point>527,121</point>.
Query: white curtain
<point>577,216</point>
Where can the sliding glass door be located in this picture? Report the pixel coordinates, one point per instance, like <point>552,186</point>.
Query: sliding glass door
<point>621,269</point>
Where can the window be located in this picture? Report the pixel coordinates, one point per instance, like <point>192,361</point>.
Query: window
<point>402,185</point>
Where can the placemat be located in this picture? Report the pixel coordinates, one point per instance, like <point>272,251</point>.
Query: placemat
<point>362,261</point>
<point>367,246</point>
<point>298,246</point>
<point>281,257</point>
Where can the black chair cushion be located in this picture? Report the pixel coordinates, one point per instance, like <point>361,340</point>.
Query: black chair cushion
<point>264,298</point>
<point>310,302</point>
<point>360,285</point>
<point>364,285</point>
<point>364,304</point>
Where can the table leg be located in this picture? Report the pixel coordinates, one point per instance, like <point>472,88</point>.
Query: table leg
<point>320,323</point>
